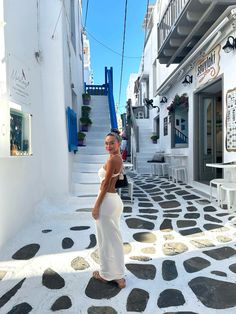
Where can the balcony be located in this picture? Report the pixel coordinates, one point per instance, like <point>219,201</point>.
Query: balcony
<point>183,24</point>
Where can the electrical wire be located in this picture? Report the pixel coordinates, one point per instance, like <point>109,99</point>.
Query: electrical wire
<point>107,47</point>
<point>86,14</point>
<point>53,34</point>
<point>123,49</point>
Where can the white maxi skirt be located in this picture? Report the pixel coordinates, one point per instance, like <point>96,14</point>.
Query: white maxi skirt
<point>109,239</point>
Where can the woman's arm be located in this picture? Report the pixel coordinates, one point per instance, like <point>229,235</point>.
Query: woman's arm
<point>111,165</point>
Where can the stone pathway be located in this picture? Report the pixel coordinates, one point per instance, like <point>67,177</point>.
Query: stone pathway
<point>180,255</point>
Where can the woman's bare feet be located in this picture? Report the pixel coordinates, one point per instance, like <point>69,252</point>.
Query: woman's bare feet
<point>97,276</point>
<point>121,283</point>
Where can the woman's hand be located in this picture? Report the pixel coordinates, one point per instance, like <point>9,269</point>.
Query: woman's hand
<point>95,213</point>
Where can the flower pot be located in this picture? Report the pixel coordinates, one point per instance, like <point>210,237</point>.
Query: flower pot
<point>81,143</point>
<point>86,101</point>
<point>84,128</point>
<point>154,141</point>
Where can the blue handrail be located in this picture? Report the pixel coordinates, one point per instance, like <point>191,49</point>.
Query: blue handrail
<point>72,130</point>
<point>105,89</point>
<point>111,102</point>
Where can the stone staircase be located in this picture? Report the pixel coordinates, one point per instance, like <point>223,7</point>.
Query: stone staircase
<point>146,147</point>
<point>91,157</point>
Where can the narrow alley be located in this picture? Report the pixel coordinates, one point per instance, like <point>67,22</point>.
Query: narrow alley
<point>179,255</point>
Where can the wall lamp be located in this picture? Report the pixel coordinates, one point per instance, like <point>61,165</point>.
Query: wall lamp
<point>149,103</point>
<point>163,100</point>
<point>230,44</point>
<point>187,80</point>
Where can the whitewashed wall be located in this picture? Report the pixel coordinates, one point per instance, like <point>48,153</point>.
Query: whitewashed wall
<point>26,181</point>
<point>227,66</point>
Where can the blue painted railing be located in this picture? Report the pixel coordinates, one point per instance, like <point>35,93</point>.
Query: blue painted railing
<point>72,130</point>
<point>109,83</point>
<point>96,89</point>
<point>105,89</point>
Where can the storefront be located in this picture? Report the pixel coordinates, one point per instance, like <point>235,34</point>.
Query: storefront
<point>203,124</point>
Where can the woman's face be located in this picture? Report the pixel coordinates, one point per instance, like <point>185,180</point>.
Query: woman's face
<point>112,145</point>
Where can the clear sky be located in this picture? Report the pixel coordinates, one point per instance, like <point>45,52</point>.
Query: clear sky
<point>105,22</point>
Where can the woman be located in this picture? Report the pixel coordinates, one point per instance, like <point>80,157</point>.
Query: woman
<point>107,212</point>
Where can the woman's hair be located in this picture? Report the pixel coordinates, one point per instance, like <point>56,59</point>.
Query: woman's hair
<point>116,135</point>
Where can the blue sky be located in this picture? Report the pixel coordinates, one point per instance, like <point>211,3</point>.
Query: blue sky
<point>105,22</point>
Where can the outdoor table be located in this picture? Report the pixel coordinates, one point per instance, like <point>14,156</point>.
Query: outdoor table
<point>231,166</point>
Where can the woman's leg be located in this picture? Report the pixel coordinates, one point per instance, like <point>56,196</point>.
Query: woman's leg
<point>109,238</point>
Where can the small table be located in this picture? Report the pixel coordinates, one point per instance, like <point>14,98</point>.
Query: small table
<point>229,166</point>
<point>232,178</point>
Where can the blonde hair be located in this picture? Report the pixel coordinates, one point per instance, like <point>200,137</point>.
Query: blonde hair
<point>116,135</point>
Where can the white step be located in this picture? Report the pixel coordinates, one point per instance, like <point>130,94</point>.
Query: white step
<point>96,159</point>
<point>86,189</point>
<point>89,150</point>
<point>86,167</point>
<point>80,177</point>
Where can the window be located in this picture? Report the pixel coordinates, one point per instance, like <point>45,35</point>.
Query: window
<point>20,133</point>
<point>157,126</point>
<point>165,126</point>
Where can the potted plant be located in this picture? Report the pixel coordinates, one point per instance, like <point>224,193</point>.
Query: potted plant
<point>81,137</point>
<point>86,98</point>
<point>154,138</point>
<point>85,123</point>
<point>85,111</point>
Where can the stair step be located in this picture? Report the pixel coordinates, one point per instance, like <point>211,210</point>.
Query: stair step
<point>96,159</point>
<point>86,189</point>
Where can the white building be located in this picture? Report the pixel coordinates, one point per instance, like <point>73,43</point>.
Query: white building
<point>191,37</point>
<point>88,76</point>
<point>40,76</point>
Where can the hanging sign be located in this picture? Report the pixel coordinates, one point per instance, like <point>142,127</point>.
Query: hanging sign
<point>208,67</point>
<point>19,84</point>
<point>231,120</point>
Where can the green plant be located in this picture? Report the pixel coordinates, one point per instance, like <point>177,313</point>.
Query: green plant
<point>85,109</point>
<point>85,120</point>
<point>154,137</point>
<point>86,96</point>
<point>81,136</point>
<point>181,101</point>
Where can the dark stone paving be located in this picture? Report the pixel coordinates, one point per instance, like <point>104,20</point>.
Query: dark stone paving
<point>26,252</point>
<point>170,297</point>
<point>221,253</point>
<point>22,308</point>
<point>100,290</point>
<point>195,264</point>
<point>181,236</point>
<point>137,300</point>
<point>213,293</point>
<point>61,303</point>
<point>142,271</point>
<point>67,243</point>
<point>169,270</point>
<point>9,294</point>
<point>136,223</point>
<point>52,280</point>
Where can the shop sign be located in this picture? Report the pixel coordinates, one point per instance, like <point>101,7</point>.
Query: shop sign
<point>208,67</point>
<point>19,84</point>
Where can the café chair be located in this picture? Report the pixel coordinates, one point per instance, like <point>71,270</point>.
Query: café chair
<point>218,183</point>
<point>229,188</point>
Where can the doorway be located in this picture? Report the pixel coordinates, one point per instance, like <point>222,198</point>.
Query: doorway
<point>208,138</point>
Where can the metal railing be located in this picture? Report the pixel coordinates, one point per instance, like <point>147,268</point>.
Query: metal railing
<point>172,13</point>
<point>72,130</point>
<point>180,137</point>
<point>111,102</point>
<point>96,89</point>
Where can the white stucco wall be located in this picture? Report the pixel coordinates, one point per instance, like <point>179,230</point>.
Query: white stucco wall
<point>26,181</point>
